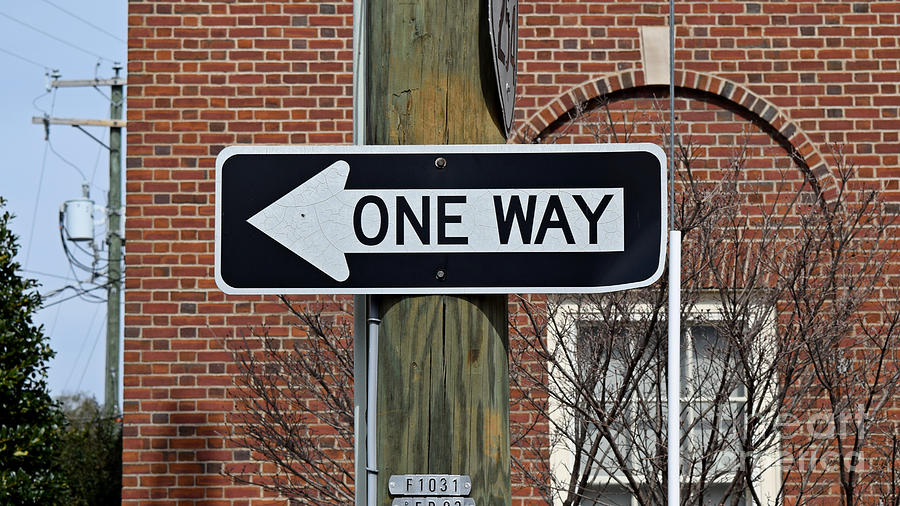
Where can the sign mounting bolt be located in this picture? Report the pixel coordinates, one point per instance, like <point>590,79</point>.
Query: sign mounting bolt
<point>440,162</point>
<point>440,274</point>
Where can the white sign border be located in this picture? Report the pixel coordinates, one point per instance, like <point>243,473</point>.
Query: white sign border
<point>438,150</point>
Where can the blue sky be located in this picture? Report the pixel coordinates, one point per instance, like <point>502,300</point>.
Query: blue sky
<point>81,40</point>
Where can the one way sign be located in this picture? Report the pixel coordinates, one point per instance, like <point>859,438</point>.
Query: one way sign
<point>439,219</point>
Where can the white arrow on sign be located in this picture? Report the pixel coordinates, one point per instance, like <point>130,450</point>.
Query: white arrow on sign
<point>321,221</point>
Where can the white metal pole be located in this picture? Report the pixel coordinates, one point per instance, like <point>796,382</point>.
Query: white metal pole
<point>360,397</point>
<point>373,320</point>
<point>673,394</point>
<point>673,391</point>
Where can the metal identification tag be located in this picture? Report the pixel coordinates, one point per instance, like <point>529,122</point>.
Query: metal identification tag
<point>431,485</point>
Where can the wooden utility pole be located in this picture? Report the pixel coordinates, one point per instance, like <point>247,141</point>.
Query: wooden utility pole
<point>443,382</point>
<point>114,241</point>
<point>114,216</point>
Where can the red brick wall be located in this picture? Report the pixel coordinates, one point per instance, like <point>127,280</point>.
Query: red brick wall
<point>830,68</point>
<point>204,75</point>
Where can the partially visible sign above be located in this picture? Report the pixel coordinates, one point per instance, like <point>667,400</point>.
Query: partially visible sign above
<point>439,219</point>
<point>503,16</point>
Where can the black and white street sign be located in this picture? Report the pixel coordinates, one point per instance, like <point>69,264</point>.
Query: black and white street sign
<point>439,219</point>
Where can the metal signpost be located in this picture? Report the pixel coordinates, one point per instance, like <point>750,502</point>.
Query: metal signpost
<point>440,219</point>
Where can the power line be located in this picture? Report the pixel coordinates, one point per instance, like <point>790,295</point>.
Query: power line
<point>96,162</point>
<point>92,25</point>
<point>54,293</point>
<point>57,276</point>
<point>54,37</point>
<point>42,95</point>
<point>55,321</point>
<point>78,294</point>
<point>37,198</point>
<point>90,356</point>
<point>83,343</point>
<point>24,59</point>
<point>70,164</point>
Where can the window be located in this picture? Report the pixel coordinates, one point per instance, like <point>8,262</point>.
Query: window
<point>609,428</point>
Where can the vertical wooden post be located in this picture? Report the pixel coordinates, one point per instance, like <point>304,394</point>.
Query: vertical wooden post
<point>443,389</point>
<point>114,240</point>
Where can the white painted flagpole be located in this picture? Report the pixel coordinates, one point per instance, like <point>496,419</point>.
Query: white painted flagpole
<point>673,391</point>
<point>674,369</point>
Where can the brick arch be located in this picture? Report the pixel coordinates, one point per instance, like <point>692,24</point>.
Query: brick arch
<point>688,84</point>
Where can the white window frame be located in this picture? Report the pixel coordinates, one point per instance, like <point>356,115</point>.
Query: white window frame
<point>768,469</point>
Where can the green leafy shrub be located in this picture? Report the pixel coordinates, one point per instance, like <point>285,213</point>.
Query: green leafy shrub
<point>30,421</point>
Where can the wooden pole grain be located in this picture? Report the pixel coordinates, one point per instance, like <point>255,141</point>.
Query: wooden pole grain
<point>443,381</point>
